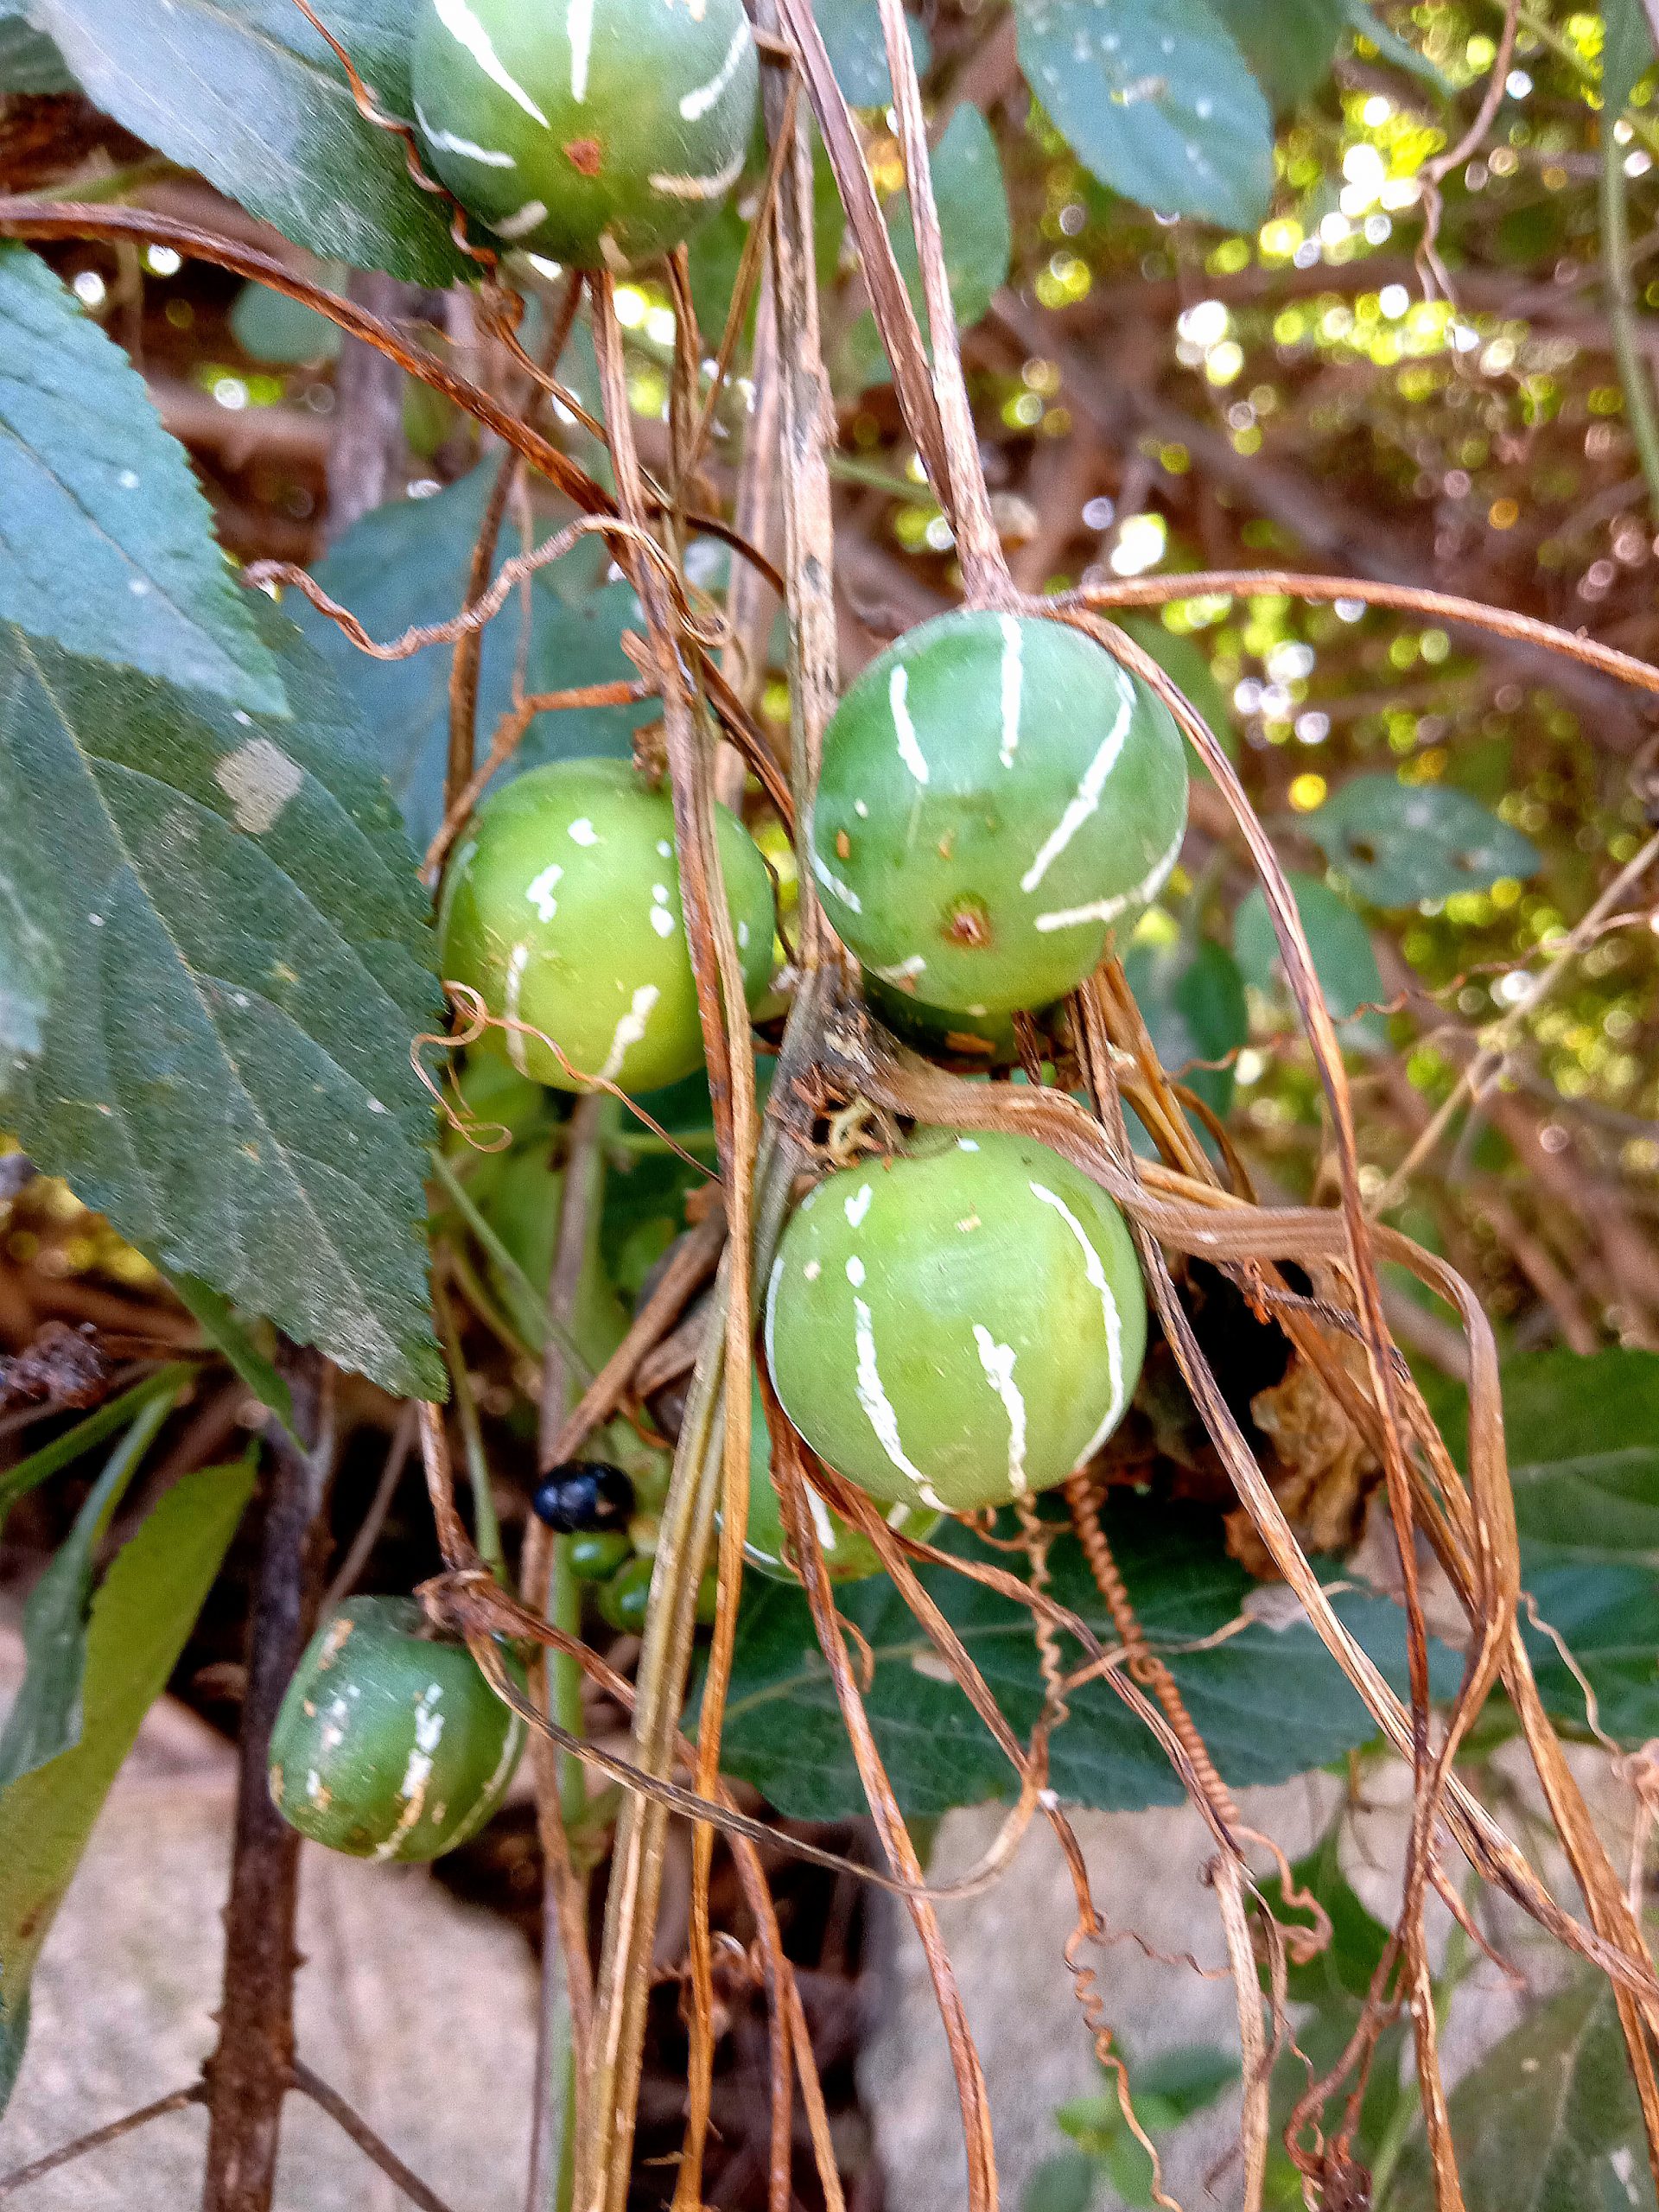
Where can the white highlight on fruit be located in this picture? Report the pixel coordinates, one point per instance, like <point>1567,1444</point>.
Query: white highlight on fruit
<point>1095,1267</point>
<point>831,881</point>
<point>661,920</point>
<point>997,1360</point>
<point>517,960</point>
<point>698,101</point>
<point>528,217</point>
<point>1014,679</point>
<point>855,1272</point>
<point>742,937</point>
<point>813,1270</point>
<point>538,892</point>
<point>579,29</point>
<point>898,699</point>
<point>1138,895</point>
<point>699,188</point>
<point>768,1317</point>
<point>861,809</point>
<point>465,29</point>
<point>665,850</point>
<point>629,1030</point>
<point>258,778</point>
<point>967,1144</point>
<point>879,1407</point>
<point>859,1205</point>
<point>488,156</point>
<point>1086,797</point>
<point>582,832</point>
<point>428,1734</point>
<point>901,971</point>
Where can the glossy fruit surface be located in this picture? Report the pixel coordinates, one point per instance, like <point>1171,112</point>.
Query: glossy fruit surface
<point>984,1039</point>
<point>848,1556</point>
<point>561,908</point>
<point>390,1744</point>
<point>597,131</point>
<point>998,797</point>
<point>583,1494</point>
<point>596,1553</point>
<point>959,1326</point>
<point>624,1600</point>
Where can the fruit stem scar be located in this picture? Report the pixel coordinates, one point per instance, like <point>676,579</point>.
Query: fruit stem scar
<point>1095,1268</point>
<point>698,101</point>
<point>879,1407</point>
<point>1013,671</point>
<point>466,29</point>
<point>1108,909</point>
<point>997,1360</point>
<point>898,699</point>
<point>1086,797</point>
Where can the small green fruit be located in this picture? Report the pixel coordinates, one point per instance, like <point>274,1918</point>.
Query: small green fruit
<point>848,1556</point>
<point>594,1554</point>
<point>957,1327</point>
<point>997,797</point>
<point>388,1744</point>
<point>562,909</point>
<point>625,1599</point>
<point>600,133</point>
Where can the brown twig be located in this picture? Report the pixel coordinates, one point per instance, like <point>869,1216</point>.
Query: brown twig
<point>22,2177</point>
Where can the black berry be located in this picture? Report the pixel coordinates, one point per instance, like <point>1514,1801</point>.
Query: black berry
<point>583,1494</point>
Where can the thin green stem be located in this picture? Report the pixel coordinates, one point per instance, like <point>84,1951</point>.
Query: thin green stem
<point>535,1304</point>
<point>1635,378</point>
<point>486,1525</point>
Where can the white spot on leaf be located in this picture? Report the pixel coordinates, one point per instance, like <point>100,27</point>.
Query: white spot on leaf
<point>258,778</point>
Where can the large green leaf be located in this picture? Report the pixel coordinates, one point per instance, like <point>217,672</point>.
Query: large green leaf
<point>1193,998</point>
<point>858,52</point>
<point>1185,661</point>
<point>74,1442</point>
<point>1343,958</point>
<point>1397,843</point>
<point>1289,44</point>
<point>108,543</point>
<point>244,960</point>
<point>1156,101</point>
<point>247,92</point>
<point>1627,51</point>
<point>1269,1702</point>
<point>45,1716</point>
<point>974,230</point>
<point>140,1619</point>
<point>1549,2120</point>
<point>407,563</point>
<point>1584,1444</point>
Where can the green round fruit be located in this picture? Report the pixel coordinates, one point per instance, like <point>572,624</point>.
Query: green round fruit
<point>625,1599</point>
<point>959,1327</point>
<point>600,133</point>
<point>987,1040</point>
<point>390,1743</point>
<point>848,1556</point>
<point>561,908</point>
<point>997,797</point>
<point>594,1554</point>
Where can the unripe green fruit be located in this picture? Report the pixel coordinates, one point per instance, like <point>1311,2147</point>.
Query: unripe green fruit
<point>599,131</point>
<point>625,1599</point>
<point>562,909</point>
<point>997,797</point>
<point>388,1744</point>
<point>594,1554</point>
<point>985,1038</point>
<point>848,1556</point>
<point>957,1327</point>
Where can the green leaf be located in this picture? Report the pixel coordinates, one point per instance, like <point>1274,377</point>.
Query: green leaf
<point>1366,24</point>
<point>1627,50</point>
<point>245,959</point>
<point>45,1716</point>
<point>858,52</point>
<point>1156,102</point>
<point>269,326</point>
<point>1584,1442</point>
<point>1269,1702</point>
<point>108,545</point>
<point>407,562</point>
<point>63,1451</point>
<point>1288,44</point>
<point>974,230</point>
<point>29,63</point>
<point>1069,2182</point>
<point>1398,844</point>
<point>1185,663</point>
<point>1548,2121</point>
<point>25,971</point>
<point>1343,958</point>
<point>228,1333</point>
<point>140,1619</point>
<point>1193,998</point>
<point>247,92</point>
